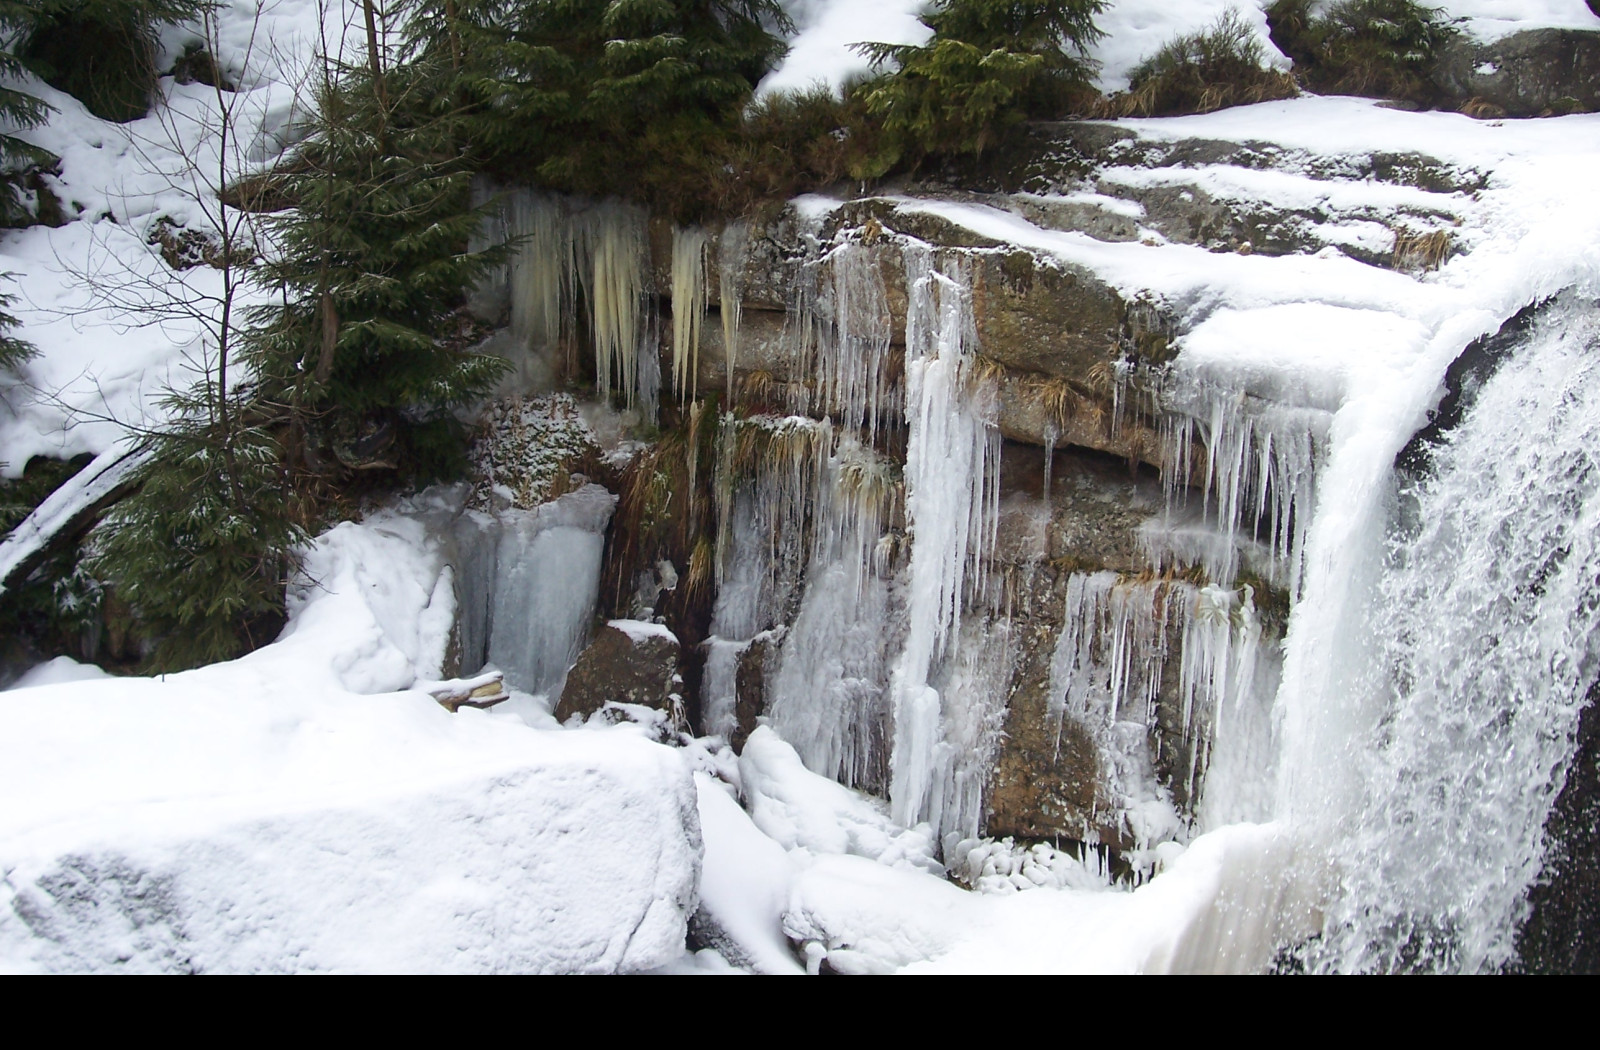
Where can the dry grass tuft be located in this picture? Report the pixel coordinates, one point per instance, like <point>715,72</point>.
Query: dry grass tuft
<point>1421,251</point>
<point>1202,72</point>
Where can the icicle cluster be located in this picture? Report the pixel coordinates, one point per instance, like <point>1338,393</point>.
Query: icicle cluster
<point>688,308</point>
<point>839,336</point>
<point>952,483</point>
<point>599,253</point>
<point>733,251</point>
<point>1112,666</point>
<point>1259,461</point>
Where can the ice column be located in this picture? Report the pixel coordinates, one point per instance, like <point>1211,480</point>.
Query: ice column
<point>952,510</point>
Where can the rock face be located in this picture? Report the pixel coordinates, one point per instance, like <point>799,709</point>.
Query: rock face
<point>628,662</point>
<point>1526,74</point>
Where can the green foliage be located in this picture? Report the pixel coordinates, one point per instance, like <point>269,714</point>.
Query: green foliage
<point>990,65</point>
<point>19,110</point>
<point>1220,66</point>
<point>373,263</point>
<point>13,351</point>
<point>199,551</point>
<point>627,97</point>
<point>102,52</point>
<point>1376,48</point>
<point>787,143</point>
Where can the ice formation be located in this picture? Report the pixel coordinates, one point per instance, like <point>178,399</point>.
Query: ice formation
<point>688,308</point>
<point>593,253</point>
<point>529,580</point>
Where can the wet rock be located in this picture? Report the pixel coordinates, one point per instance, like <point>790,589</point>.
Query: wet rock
<point>628,662</point>
<point>1562,930</point>
<point>1527,74</point>
<point>1092,518</point>
<point>750,684</point>
<point>1041,316</point>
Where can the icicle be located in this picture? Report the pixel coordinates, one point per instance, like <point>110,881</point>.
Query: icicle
<point>541,271</point>
<point>838,332</point>
<point>1260,467</point>
<point>1050,435</point>
<point>733,254</point>
<point>611,252</point>
<point>688,308</point>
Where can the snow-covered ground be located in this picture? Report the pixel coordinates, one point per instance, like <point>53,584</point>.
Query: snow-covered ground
<point>310,807</point>
<point>822,49</point>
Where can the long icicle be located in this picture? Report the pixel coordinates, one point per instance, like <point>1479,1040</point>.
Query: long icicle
<point>688,308</point>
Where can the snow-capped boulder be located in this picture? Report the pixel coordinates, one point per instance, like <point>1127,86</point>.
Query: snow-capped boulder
<point>186,827</point>
<point>629,662</point>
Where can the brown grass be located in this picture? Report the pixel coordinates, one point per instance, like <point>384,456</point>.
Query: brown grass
<point>1421,251</point>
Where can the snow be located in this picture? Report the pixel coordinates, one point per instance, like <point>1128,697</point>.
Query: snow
<point>305,808</point>
<point>820,51</point>
<point>116,327</point>
<point>1492,19</point>
<point>56,671</point>
<point>641,631</point>
<point>821,54</point>
<point>799,809</point>
<point>1136,29</point>
<point>62,507</point>
<point>744,881</point>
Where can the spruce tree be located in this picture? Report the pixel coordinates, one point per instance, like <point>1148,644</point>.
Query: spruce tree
<point>19,110</point>
<point>371,266</point>
<point>13,351</point>
<point>990,65</point>
<point>202,548</point>
<point>628,97</point>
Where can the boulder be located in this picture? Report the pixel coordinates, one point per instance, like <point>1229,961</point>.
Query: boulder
<point>1525,74</point>
<point>628,662</point>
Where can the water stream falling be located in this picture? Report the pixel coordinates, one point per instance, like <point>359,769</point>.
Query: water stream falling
<point>1383,813</point>
<point>1486,647</point>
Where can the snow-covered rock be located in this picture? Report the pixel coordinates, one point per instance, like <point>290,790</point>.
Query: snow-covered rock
<point>292,811</point>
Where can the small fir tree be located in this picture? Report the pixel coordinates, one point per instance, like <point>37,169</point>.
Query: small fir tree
<point>201,550</point>
<point>13,351</point>
<point>990,65</point>
<point>371,267</point>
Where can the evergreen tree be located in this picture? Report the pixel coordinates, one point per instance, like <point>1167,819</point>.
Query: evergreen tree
<point>352,370</point>
<point>103,52</point>
<point>201,550</point>
<point>989,65</point>
<point>627,97</point>
<point>13,351</point>
<point>371,267</point>
<point>19,110</point>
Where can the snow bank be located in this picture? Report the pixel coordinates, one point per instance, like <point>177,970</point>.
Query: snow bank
<point>264,815</point>
<point>820,53</point>
<point>744,884</point>
<point>1137,29</point>
<point>801,810</point>
<point>1492,19</point>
